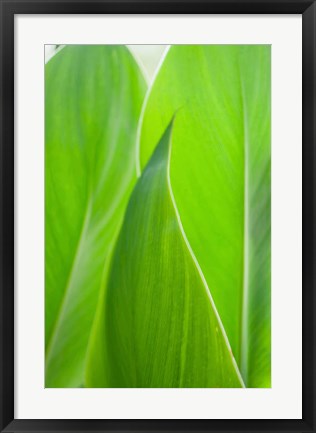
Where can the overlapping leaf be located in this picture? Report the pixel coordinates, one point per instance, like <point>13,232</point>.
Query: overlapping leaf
<point>220,174</point>
<point>159,326</point>
<point>93,97</point>
<point>160,321</point>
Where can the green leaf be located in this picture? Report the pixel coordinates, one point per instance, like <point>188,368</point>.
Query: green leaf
<point>220,174</point>
<point>159,327</point>
<point>93,97</point>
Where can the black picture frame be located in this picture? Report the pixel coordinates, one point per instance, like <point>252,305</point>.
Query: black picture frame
<point>8,9</point>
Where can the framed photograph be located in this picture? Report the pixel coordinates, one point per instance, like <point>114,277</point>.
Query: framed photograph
<point>157,206</point>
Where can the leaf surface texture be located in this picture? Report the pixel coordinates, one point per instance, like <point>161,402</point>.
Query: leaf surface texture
<point>220,175</point>
<point>158,326</point>
<point>93,97</point>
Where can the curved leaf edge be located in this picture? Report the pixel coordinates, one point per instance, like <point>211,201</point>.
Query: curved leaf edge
<point>195,261</point>
<point>102,298</point>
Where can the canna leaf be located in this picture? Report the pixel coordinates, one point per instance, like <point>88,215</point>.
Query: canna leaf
<point>159,326</point>
<point>93,97</point>
<point>220,174</point>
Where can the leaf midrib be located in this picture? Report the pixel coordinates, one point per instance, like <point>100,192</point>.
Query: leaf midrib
<point>60,314</point>
<point>244,337</point>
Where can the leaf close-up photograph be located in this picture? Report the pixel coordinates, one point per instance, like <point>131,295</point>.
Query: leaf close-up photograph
<point>157,206</point>
<point>157,217</point>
